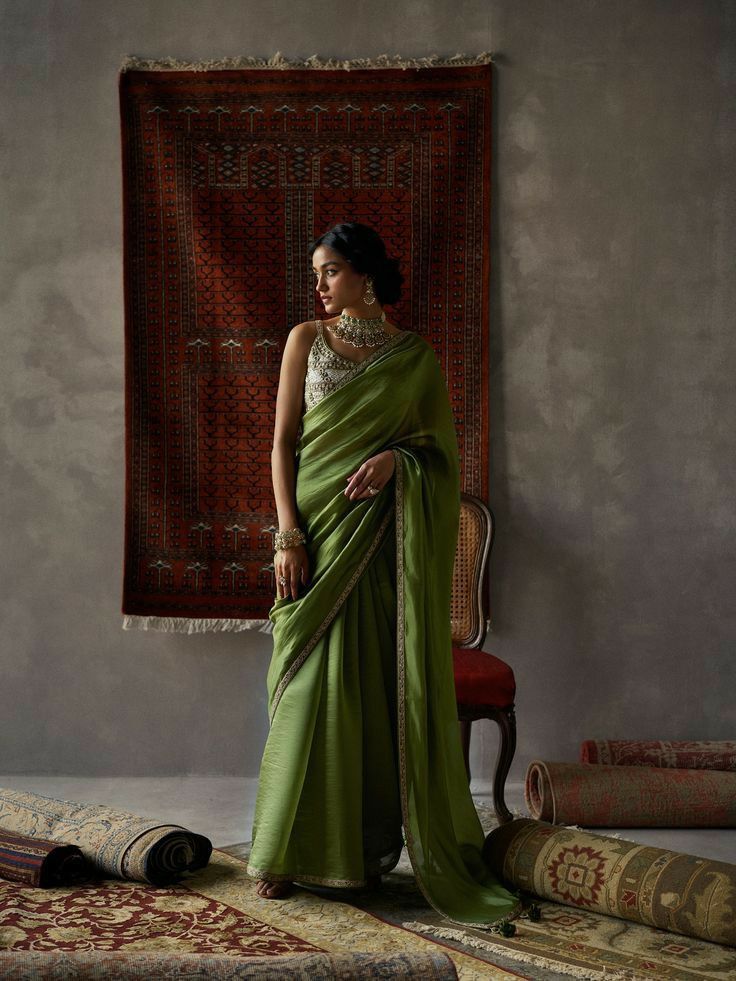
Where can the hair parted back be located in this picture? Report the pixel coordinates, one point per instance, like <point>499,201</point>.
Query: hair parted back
<point>365,250</point>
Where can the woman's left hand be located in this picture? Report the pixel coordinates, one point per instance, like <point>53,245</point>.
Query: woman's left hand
<point>376,471</point>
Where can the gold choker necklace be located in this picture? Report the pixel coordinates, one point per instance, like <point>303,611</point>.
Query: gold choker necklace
<point>360,331</point>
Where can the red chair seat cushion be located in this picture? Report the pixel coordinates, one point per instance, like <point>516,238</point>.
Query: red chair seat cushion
<point>482,678</point>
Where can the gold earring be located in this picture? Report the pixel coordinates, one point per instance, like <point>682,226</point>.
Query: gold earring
<point>369,296</point>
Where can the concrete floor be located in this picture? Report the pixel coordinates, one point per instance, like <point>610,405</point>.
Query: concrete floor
<point>222,808</point>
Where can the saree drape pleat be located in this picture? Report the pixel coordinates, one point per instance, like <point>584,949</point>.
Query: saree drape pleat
<point>363,733</point>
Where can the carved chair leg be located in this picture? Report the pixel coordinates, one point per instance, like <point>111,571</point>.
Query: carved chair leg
<point>506,719</point>
<point>465,740</point>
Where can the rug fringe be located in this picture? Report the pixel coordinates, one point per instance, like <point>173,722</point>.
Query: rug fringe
<point>134,63</point>
<point>191,625</point>
<point>447,933</point>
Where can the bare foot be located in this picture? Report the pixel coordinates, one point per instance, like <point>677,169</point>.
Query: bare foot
<point>273,890</point>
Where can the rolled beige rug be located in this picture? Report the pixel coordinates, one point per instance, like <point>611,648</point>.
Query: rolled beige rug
<point>677,892</point>
<point>630,796</point>
<point>116,843</point>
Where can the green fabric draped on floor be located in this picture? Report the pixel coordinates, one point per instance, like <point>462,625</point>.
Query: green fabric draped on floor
<point>363,733</point>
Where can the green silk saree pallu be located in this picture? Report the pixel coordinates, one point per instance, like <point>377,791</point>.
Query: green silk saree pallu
<point>364,737</point>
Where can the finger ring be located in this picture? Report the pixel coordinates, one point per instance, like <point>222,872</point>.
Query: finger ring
<point>282,581</point>
<point>372,489</point>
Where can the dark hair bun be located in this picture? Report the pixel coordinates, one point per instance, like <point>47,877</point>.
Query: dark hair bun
<point>387,281</point>
<point>364,249</point>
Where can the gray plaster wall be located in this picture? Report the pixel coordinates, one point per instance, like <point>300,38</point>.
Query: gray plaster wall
<point>612,375</point>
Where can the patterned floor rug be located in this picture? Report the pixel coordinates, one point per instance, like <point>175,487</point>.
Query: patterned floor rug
<point>213,911</point>
<point>217,911</point>
<point>566,942</point>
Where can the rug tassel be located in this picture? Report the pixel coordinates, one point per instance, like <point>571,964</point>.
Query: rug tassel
<point>192,625</point>
<point>447,933</point>
<point>134,63</point>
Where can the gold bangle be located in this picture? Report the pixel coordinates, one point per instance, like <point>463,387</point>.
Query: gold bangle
<point>288,539</point>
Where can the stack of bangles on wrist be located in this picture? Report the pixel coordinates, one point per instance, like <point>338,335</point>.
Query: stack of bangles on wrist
<point>288,539</point>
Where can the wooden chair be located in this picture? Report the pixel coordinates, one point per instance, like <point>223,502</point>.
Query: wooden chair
<point>484,684</point>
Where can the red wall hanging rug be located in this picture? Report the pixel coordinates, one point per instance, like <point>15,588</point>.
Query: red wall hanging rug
<point>230,170</point>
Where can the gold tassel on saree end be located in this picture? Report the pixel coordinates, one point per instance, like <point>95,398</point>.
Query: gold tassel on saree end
<point>134,63</point>
<point>189,625</point>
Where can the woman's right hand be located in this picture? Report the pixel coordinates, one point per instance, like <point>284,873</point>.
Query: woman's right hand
<point>293,564</point>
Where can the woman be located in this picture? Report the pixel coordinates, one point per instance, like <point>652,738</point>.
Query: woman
<point>363,736</point>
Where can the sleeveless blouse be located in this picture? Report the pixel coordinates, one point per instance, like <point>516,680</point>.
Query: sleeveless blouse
<point>326,369</point>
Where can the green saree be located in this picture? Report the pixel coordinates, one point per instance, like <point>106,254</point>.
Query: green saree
<point>364,738</point>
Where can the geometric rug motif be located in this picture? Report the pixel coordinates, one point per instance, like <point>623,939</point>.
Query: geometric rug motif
<point>227,177</point>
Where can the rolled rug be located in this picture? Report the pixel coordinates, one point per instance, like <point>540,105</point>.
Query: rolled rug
<point>681,893</point>
<point>630,796</point>
<point>99,965</point>
<point>702,755</point>
<point>37,862</point>
<point>117,843</point>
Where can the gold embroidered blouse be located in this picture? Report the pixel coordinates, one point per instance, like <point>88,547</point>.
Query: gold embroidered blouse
<point>328,370</point>
<point>325,369</point>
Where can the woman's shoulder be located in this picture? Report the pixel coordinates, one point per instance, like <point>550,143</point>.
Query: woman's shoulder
<point>305,330</point>
<point>299,343</point>
<point>302,336</point>
<point>423,353</point>
<point>420,344</point>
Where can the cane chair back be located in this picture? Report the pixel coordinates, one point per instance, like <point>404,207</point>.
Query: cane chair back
<point>468,617</point>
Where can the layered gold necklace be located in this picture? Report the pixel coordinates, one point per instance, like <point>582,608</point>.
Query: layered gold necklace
<point>360,331</point>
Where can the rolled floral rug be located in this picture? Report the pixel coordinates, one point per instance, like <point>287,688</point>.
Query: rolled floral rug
<point>702,755</point>
<point>115,842</point>
<point>680,893</point>
<point>630,796</point>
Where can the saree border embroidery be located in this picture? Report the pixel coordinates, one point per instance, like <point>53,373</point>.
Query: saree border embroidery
<point>400,668</point>
<point>254,873</point>
<point>359,366</point>
<point>307,650</point>
<point>401,693</point>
